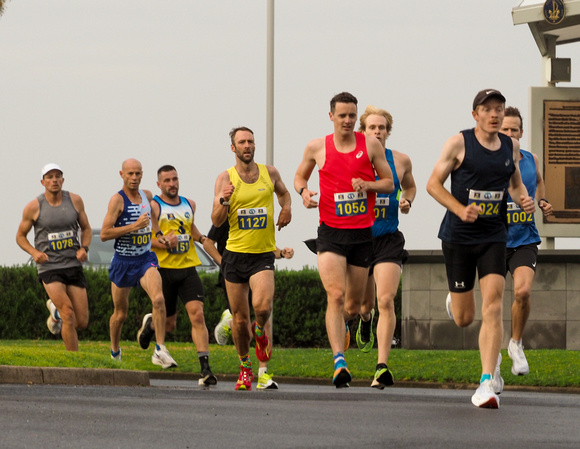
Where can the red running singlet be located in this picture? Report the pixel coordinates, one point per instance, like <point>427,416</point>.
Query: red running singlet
<point>340,206</point>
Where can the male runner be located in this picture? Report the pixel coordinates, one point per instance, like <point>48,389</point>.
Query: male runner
<point>244,197</point>
<point>347,162</point>
<point>483,164</point>
<point>57,216</point>
<point>177,261</point>
<point>388,248</point>
<point>128,221</point>
<point>523,241</point>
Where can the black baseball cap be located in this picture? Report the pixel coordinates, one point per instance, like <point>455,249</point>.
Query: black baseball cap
<point>484,94</point>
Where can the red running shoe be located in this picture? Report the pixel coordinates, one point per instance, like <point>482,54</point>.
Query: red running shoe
<point>263,345</point>
<point>245,380</point>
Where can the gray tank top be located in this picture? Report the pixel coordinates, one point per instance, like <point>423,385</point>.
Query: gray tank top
<point>56,233</point>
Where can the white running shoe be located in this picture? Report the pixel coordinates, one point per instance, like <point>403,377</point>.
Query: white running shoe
<point>53,323</point>
<point>223,331</point>
<point>162,358</point>
<point>497,380</point>
<point>116,357</point>
<point>484,397</point>
<point>265,382</point>
<point>448,305</point>
<point>520,365</point>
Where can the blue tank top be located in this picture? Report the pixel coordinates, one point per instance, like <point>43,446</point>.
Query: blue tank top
<point>134,243</point>
<point>387,205</point>
<point>521,226</point>
<point>482,179</point>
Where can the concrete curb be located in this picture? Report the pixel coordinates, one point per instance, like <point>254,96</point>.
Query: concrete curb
<point>72,376</point>
<point>129,378</point>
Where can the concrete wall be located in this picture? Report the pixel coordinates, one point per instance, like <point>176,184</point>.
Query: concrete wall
<point>555,305</point>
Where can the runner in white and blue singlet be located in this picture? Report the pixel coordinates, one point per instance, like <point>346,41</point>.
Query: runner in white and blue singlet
<point>128,221</point>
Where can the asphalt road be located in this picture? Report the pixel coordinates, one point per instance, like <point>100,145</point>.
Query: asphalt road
<point>180,414</point>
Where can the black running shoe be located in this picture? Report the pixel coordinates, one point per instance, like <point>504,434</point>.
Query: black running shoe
<point>207,377</point>
<point>146,332</point>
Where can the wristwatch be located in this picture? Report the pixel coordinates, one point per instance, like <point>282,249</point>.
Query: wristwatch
<point>223,202</point>
<point>86,248</point>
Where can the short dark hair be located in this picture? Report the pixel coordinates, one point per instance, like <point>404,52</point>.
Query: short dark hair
<point>235,130</point>
<point>343,97</point>
<point>511,111</point>
<point>165,168</point>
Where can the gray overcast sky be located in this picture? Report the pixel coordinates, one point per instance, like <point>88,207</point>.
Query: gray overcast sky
<point>87,84</point>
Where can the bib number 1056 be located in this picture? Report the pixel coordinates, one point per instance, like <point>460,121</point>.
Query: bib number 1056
<point>350,204</point>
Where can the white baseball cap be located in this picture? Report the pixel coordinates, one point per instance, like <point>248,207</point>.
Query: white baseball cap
<point>49,167</point>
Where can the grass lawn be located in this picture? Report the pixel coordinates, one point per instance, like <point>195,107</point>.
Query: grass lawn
<point>548,367</point>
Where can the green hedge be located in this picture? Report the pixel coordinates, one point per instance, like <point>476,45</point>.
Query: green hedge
<point>299,308</point>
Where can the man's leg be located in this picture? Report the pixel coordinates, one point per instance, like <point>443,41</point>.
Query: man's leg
<point>57,292</point>
<point>80,304</point>
<point>364,333</point>
<point>463,307</point>
<point>332,270</point>
<point>199,333</point>
<point>151,283</point>
<point>262,285</point>
<point>491,332</point>
<point>368,299</point>
<point>387,276</point>
<point>262,290</point>
<point>120,308</point>
<point>238,297</point>
<point>523,279</point>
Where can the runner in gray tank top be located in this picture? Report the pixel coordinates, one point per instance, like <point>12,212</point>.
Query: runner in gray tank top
<point>57,217</point>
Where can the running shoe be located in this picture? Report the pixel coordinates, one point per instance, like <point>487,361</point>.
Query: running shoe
<point>497,380</point>
<point>245,380</point>
<point>342,377</point>
<point>223,331</point>
<point>265,382</point>
<point>383,377</point>
<point>116,356</point>
<point>347,337</point>
<point>207,377</point>
<point>263,345</point>
<point>146,333</point>
<point>520,365</point>
<point>162,358</point>
<point>53,322</point>
<point>448,305</point>
<point>484,397</point>
<point>365,339</point>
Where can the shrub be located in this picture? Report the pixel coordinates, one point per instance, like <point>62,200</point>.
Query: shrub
<point>299,308</point>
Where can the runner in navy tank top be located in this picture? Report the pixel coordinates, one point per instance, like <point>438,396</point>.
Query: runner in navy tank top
<point>483,165</point>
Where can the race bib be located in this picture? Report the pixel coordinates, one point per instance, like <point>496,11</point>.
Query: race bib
<point>350,204</point>
<point>58,241</point>
<point>515,215</point>
<point>141,237</point>
<point>182,244</point>
<point>490,201</point>
<point>381,208</point>
<point>253,218</point>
